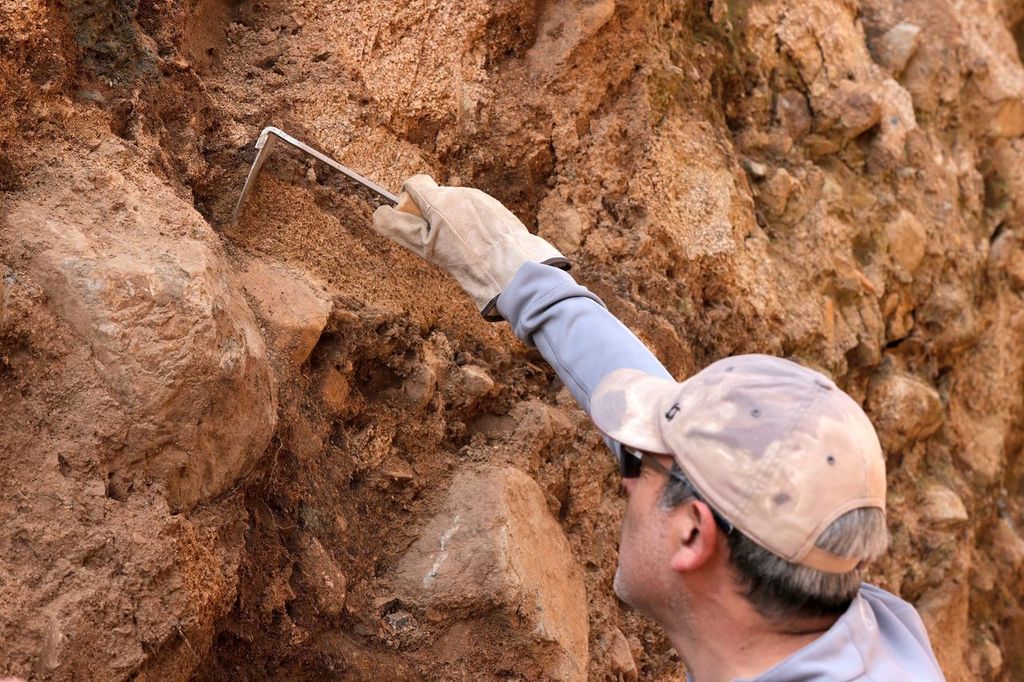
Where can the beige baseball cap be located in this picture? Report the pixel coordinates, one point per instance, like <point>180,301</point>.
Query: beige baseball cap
<point>776,448</point>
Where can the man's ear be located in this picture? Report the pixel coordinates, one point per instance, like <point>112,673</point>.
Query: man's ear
<point>694,535</point>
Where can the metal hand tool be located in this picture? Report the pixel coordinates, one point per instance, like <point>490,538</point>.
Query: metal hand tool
<point>266,142</point>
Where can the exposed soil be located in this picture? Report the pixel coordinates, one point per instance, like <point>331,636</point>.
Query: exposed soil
<point>226,448</point>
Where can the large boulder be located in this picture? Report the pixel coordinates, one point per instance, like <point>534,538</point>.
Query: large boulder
<point>140,278</point>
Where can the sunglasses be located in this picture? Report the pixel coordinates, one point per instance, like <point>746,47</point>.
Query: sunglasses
<point>632,462</point>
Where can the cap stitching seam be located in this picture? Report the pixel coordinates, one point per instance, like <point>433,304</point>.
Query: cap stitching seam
<point>864,461</point>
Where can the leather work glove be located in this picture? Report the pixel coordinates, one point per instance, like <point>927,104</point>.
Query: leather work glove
<point>466,232</point>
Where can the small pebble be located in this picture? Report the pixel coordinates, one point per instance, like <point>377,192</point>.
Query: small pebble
<point>757,170</point>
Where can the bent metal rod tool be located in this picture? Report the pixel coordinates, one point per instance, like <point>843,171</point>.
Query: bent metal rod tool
<point>265,143</point>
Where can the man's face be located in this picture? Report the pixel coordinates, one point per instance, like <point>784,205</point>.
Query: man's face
<point>644,578</point>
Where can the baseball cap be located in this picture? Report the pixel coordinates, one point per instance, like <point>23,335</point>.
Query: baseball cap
<point>776,448</point>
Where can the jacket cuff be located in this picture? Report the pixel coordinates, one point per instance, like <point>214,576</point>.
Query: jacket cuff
<point>535,288</point>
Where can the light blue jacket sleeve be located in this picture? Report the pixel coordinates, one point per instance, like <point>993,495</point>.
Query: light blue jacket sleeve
<point>572,329</point>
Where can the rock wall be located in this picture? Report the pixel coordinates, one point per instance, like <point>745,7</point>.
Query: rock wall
<point>262,449</point>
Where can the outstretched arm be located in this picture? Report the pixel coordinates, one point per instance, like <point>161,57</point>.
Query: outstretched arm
<point>513,274</point>
<point>572,329</point>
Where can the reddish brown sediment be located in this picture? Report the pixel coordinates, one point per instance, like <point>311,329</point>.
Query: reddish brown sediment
<point>227,451</point>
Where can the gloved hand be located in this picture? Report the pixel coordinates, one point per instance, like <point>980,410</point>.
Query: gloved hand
<point>466,232</point>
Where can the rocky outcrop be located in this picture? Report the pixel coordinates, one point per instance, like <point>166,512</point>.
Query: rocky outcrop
<point>225,447</point>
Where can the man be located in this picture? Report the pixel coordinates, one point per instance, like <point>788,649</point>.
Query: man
<point>756,488</point>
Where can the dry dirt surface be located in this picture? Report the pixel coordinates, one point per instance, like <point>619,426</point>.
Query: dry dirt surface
<point>288,449</point>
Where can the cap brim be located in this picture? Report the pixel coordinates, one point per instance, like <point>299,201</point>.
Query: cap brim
<point>626,406</point>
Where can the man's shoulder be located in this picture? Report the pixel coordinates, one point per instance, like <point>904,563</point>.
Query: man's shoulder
<point>885,603</point>
<point>890,637</point>
<point>880,637</point>
<point>874,592</point>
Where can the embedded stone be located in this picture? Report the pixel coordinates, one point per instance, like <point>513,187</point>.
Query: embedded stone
<point>888,148</point>
<point>1007,544</point>
<point>903,409</point>
<point>335,390</point>
<point>324,578</point>
<point>984,445</point>
<point>561,224</point>
<point>1009,118</point>
<point>1006,257</point>
<point>421,385</point>
<point>423,379</point>
<point>496,546</point>
<point>475,381</point>
<point>775,191</point>
<point>990,657</point>
<point>906,241</point>
<point>293,309</point>
<point>621,657</point>
<point>857,107</point>
<point>563,29</point>
<point>949,316</point>
<point>397,469</point>
<point>794,114</point>
<point>894,48</point>
<point>943,507</point>
<point>399,621</point>
<point>756,169</point>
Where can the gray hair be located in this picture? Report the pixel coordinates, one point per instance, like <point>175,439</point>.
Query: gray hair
<point>781,590</point>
